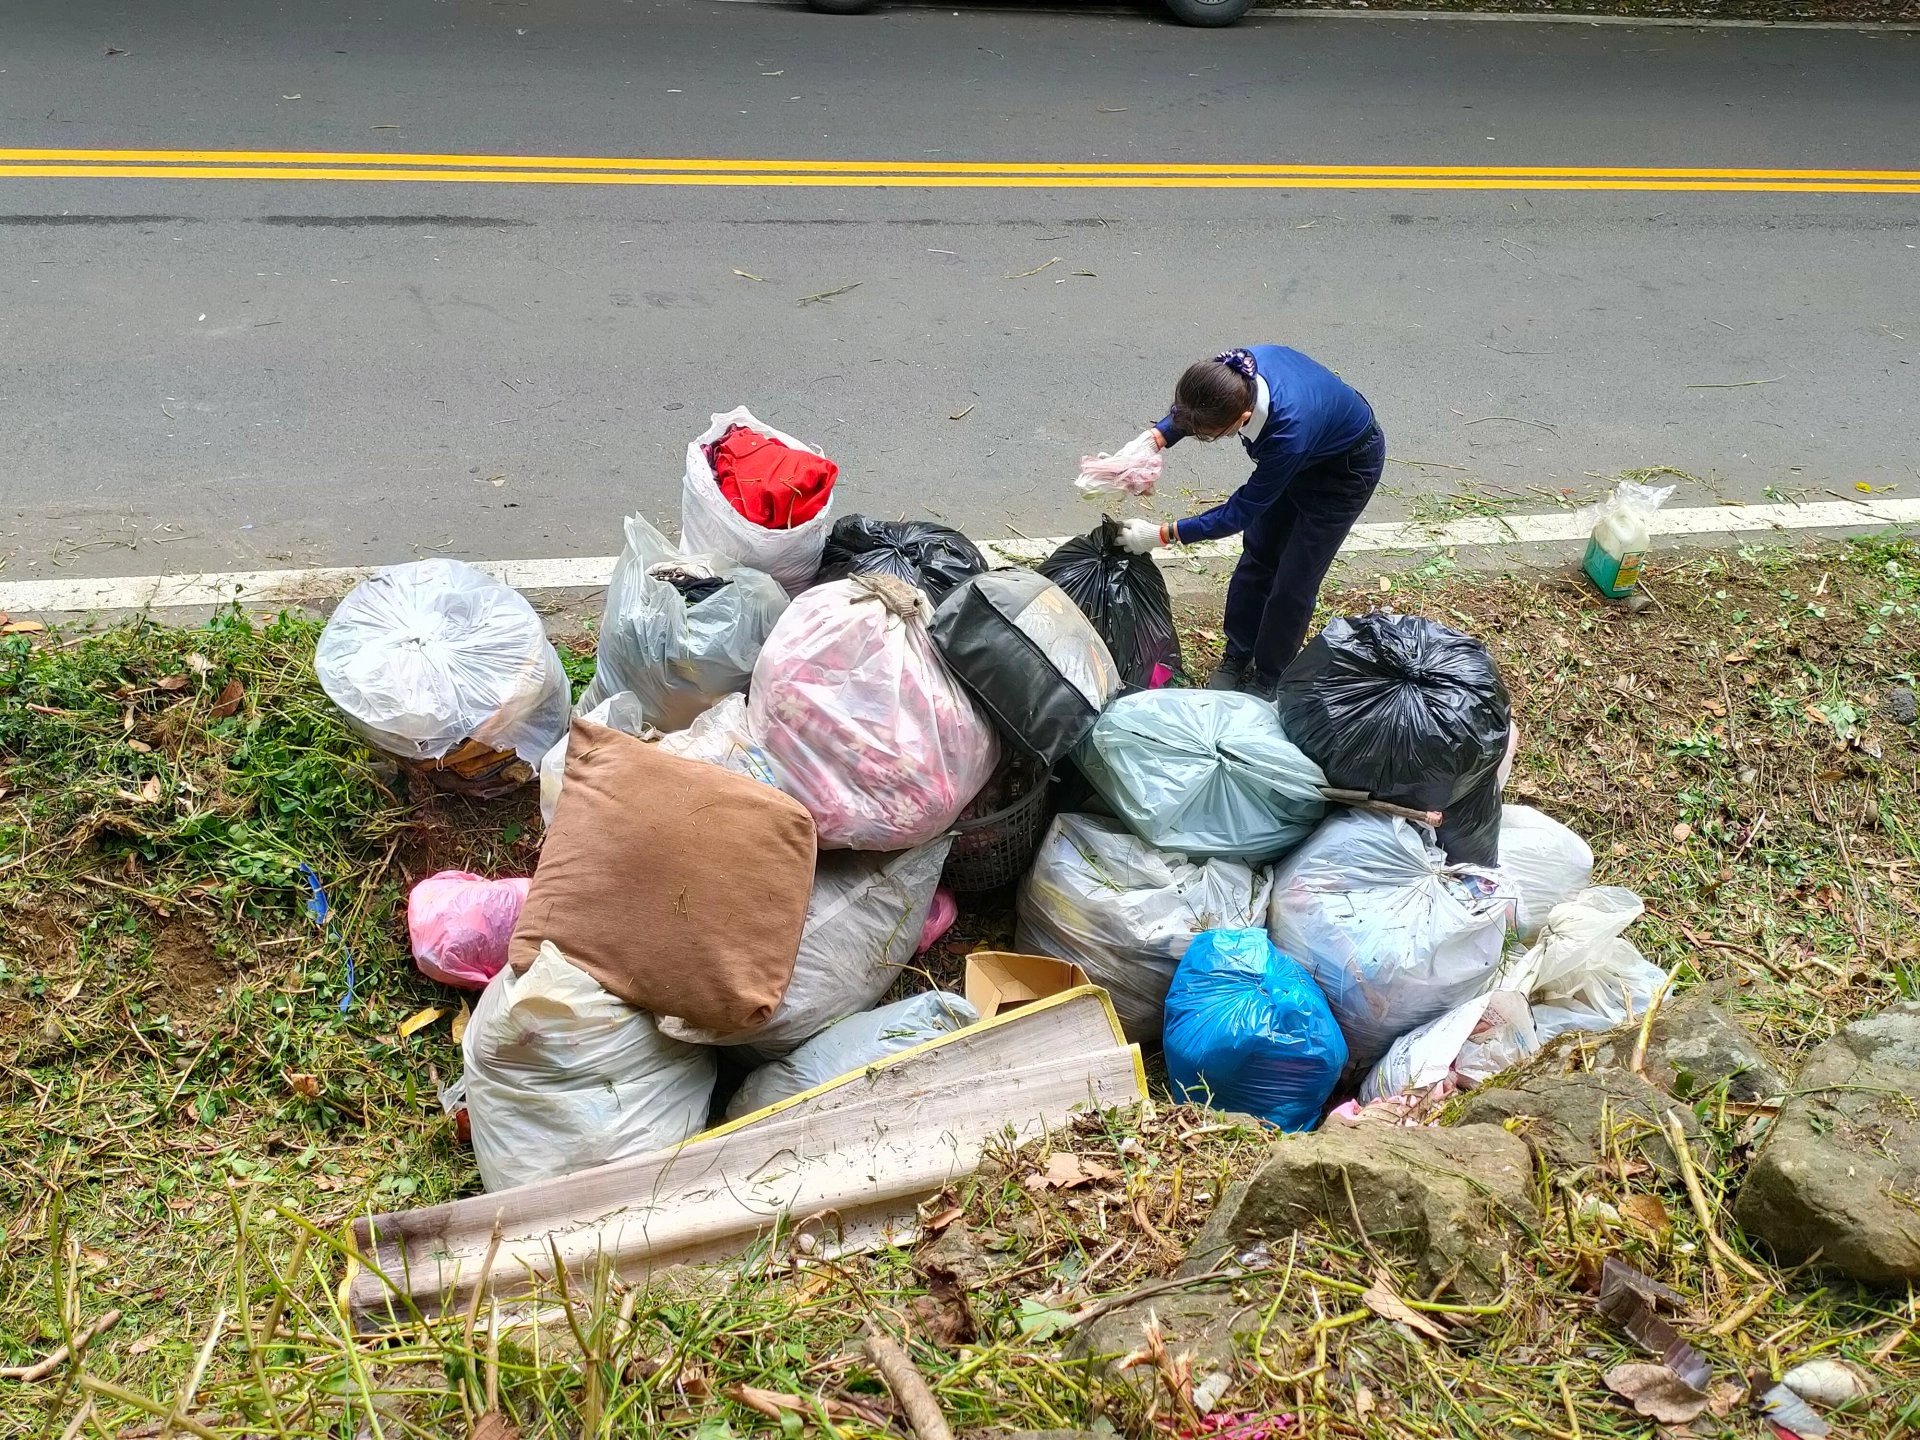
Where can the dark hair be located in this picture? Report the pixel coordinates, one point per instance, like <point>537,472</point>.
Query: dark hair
<point>1210,397</point>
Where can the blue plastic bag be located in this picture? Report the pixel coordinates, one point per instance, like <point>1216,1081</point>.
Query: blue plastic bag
<point>1247,1029</point>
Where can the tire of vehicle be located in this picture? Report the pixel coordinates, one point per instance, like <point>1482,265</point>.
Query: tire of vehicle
<point>1208,14</point>
<point>841,7</point>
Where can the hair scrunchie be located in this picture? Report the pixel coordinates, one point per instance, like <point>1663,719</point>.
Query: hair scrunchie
<point>1238,361</point>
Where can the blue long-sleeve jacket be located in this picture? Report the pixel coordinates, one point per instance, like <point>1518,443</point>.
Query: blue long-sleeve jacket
<point>1312,415</point>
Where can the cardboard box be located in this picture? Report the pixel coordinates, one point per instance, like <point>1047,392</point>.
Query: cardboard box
<point>999,980</point>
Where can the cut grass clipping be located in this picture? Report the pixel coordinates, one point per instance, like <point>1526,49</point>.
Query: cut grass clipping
<point>207,1073</point>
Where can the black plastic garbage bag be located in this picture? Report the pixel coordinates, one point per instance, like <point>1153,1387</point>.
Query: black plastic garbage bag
<point>919,552</point>
<point>1409,711</point>
<point>1125,597</point>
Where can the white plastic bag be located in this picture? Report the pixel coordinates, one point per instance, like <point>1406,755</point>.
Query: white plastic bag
<point>1547,863</point>
<point>1469,1044</point>
<point>863,926</point>
<point>1126,913</point>
<point>1394,935</point>
<point>720,737</point>
<point>679,659</point>
<point>710,525</point>
<point>1581,975</point>
<point>619,711</point>
<point>422,657</point>
<point>1203,772</point>
<point>854,1042</point>
<point>1134,469</point>
<point>561,1076</point>
<point>863,723</point>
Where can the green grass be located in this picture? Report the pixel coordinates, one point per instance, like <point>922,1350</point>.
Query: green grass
<point>182,1095</point>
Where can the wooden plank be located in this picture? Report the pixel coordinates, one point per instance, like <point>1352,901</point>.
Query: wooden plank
<point>865,1148</point>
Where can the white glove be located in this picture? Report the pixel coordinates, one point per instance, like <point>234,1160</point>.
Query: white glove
<point>1139,537</point>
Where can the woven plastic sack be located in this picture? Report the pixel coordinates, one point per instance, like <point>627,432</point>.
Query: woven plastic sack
<point>1125,913</point>
<point>1547,863</point>
<point>1248,1030</point>
<point>561,1076</point>
<point>1203,773</point>
<point>1030,657</point>
<point>1406,710</point>
<point>1394,935</point>
<point>422,657</point>
<point>861,720</point>
<point>1580,974</point>
<point>1125,596</point>
<point>850,1045</point>
<point>1468,1045</point>
<point>863,926</point>
<point>619,711</point>
<point>709,525</point>
<point>934,557</point>
<point>679,659</point>
<point>459,925</point>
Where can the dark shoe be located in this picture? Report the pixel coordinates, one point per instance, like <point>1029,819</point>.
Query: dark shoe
<point>1226,676</point>
<point>1260,685</point>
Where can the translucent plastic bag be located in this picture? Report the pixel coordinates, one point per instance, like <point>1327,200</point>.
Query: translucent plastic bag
<point>1471,1043</point>
<point>422,657</point>
<point>863,723</point>
<point>1408,710</point>
<point>1248,1030</point>
<point>1394,935</point>
<point>710,525</point>
<point>1580,974</point>
<point>1547,863</point>
<point>863,925</point>
<point>853,1043</point>
<point>679,656</point>
<point>721,737</point>
<point>1125,913</point>
<point>1030,657</point>
<point>1134,469</point>
<point>561,1076</point>
<point>1203,773</point>
<point>459,925</point>
<point>1125,596</point>
<point>934,557</point>
<point>619,711</point>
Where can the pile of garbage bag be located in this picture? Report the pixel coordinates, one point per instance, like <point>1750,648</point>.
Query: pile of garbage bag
<point>801,737</point>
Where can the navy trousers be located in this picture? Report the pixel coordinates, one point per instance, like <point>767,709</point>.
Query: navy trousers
<point>1287,552</point>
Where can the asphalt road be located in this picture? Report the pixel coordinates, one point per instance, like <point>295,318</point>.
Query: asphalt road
<point>241,373</point>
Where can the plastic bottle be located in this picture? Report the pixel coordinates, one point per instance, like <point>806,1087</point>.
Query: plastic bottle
<point>1617,548</point>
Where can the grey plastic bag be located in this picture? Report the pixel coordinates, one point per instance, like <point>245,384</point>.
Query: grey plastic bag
<point>1125,912</point>
<point>678,658</point>
<point>1204,773</point>
<point>856,1041</point>
<point>863,922</point>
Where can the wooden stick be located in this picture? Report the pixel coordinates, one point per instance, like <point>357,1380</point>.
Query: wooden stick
<point>40,1369</point>
<point>184,1400</point>
<point>1641,1041</point>
<point>923,1411</point>
<point>1361,800</point>
<point>1717,1249</point>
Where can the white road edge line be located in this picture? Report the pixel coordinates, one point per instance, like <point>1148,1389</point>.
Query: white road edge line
<point>254,589</point>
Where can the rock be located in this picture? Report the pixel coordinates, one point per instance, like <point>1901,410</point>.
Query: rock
<point>1577,1120</point>
<point>1839,1171</point>
<point>1451,1201</point>
<point>1899,705</point>
<point>1199,1322</point>
<point>1696,1044</point>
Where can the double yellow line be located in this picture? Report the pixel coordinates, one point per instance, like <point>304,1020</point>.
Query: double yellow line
<point>941,174</point>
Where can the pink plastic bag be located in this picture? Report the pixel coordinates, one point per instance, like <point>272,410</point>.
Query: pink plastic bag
<point>862,721</point>
<point>1134,469</point>
<point>460,925</point>
<point>940,917</point>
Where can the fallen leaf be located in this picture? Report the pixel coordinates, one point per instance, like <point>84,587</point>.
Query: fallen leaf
<point>150,791</point>
<point>1682,833</point>
<point>115,50</point>
<point>1647,1211</point>
<point>143,1344</point>
<point>937,1223</point>
<point>771,1403</point>
<point>227,703</point>
<point>170,683</point>
<point>943,1314</point>
<point>1863,487</point>
<point>23,627</point>
<point>494,1426</point>
<point>458,1029</point>
<point>1380,1299</point>
<point>1735,657</point>
<point>1656,1392</point>
<point>1066,1171</point>
<point>497,481</point>
<point>139,747</point>
<point>419,1020</point>
<point>1827,1383</point>
<point>305,1086</point>
<point>1362,1401</point>
<point>199,663</point>
<point>1725,1398</point>
<point>92,1260</point>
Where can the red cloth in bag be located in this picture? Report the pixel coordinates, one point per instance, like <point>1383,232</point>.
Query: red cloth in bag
<point>773,485</point>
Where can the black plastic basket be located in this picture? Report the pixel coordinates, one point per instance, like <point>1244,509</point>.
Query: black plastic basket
<point>995,848</point>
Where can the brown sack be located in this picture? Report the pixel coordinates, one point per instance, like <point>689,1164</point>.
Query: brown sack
<point>679,886</point>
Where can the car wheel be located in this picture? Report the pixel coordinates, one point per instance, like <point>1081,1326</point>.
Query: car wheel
<point>841,7</point>
<point>1208,14</point>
